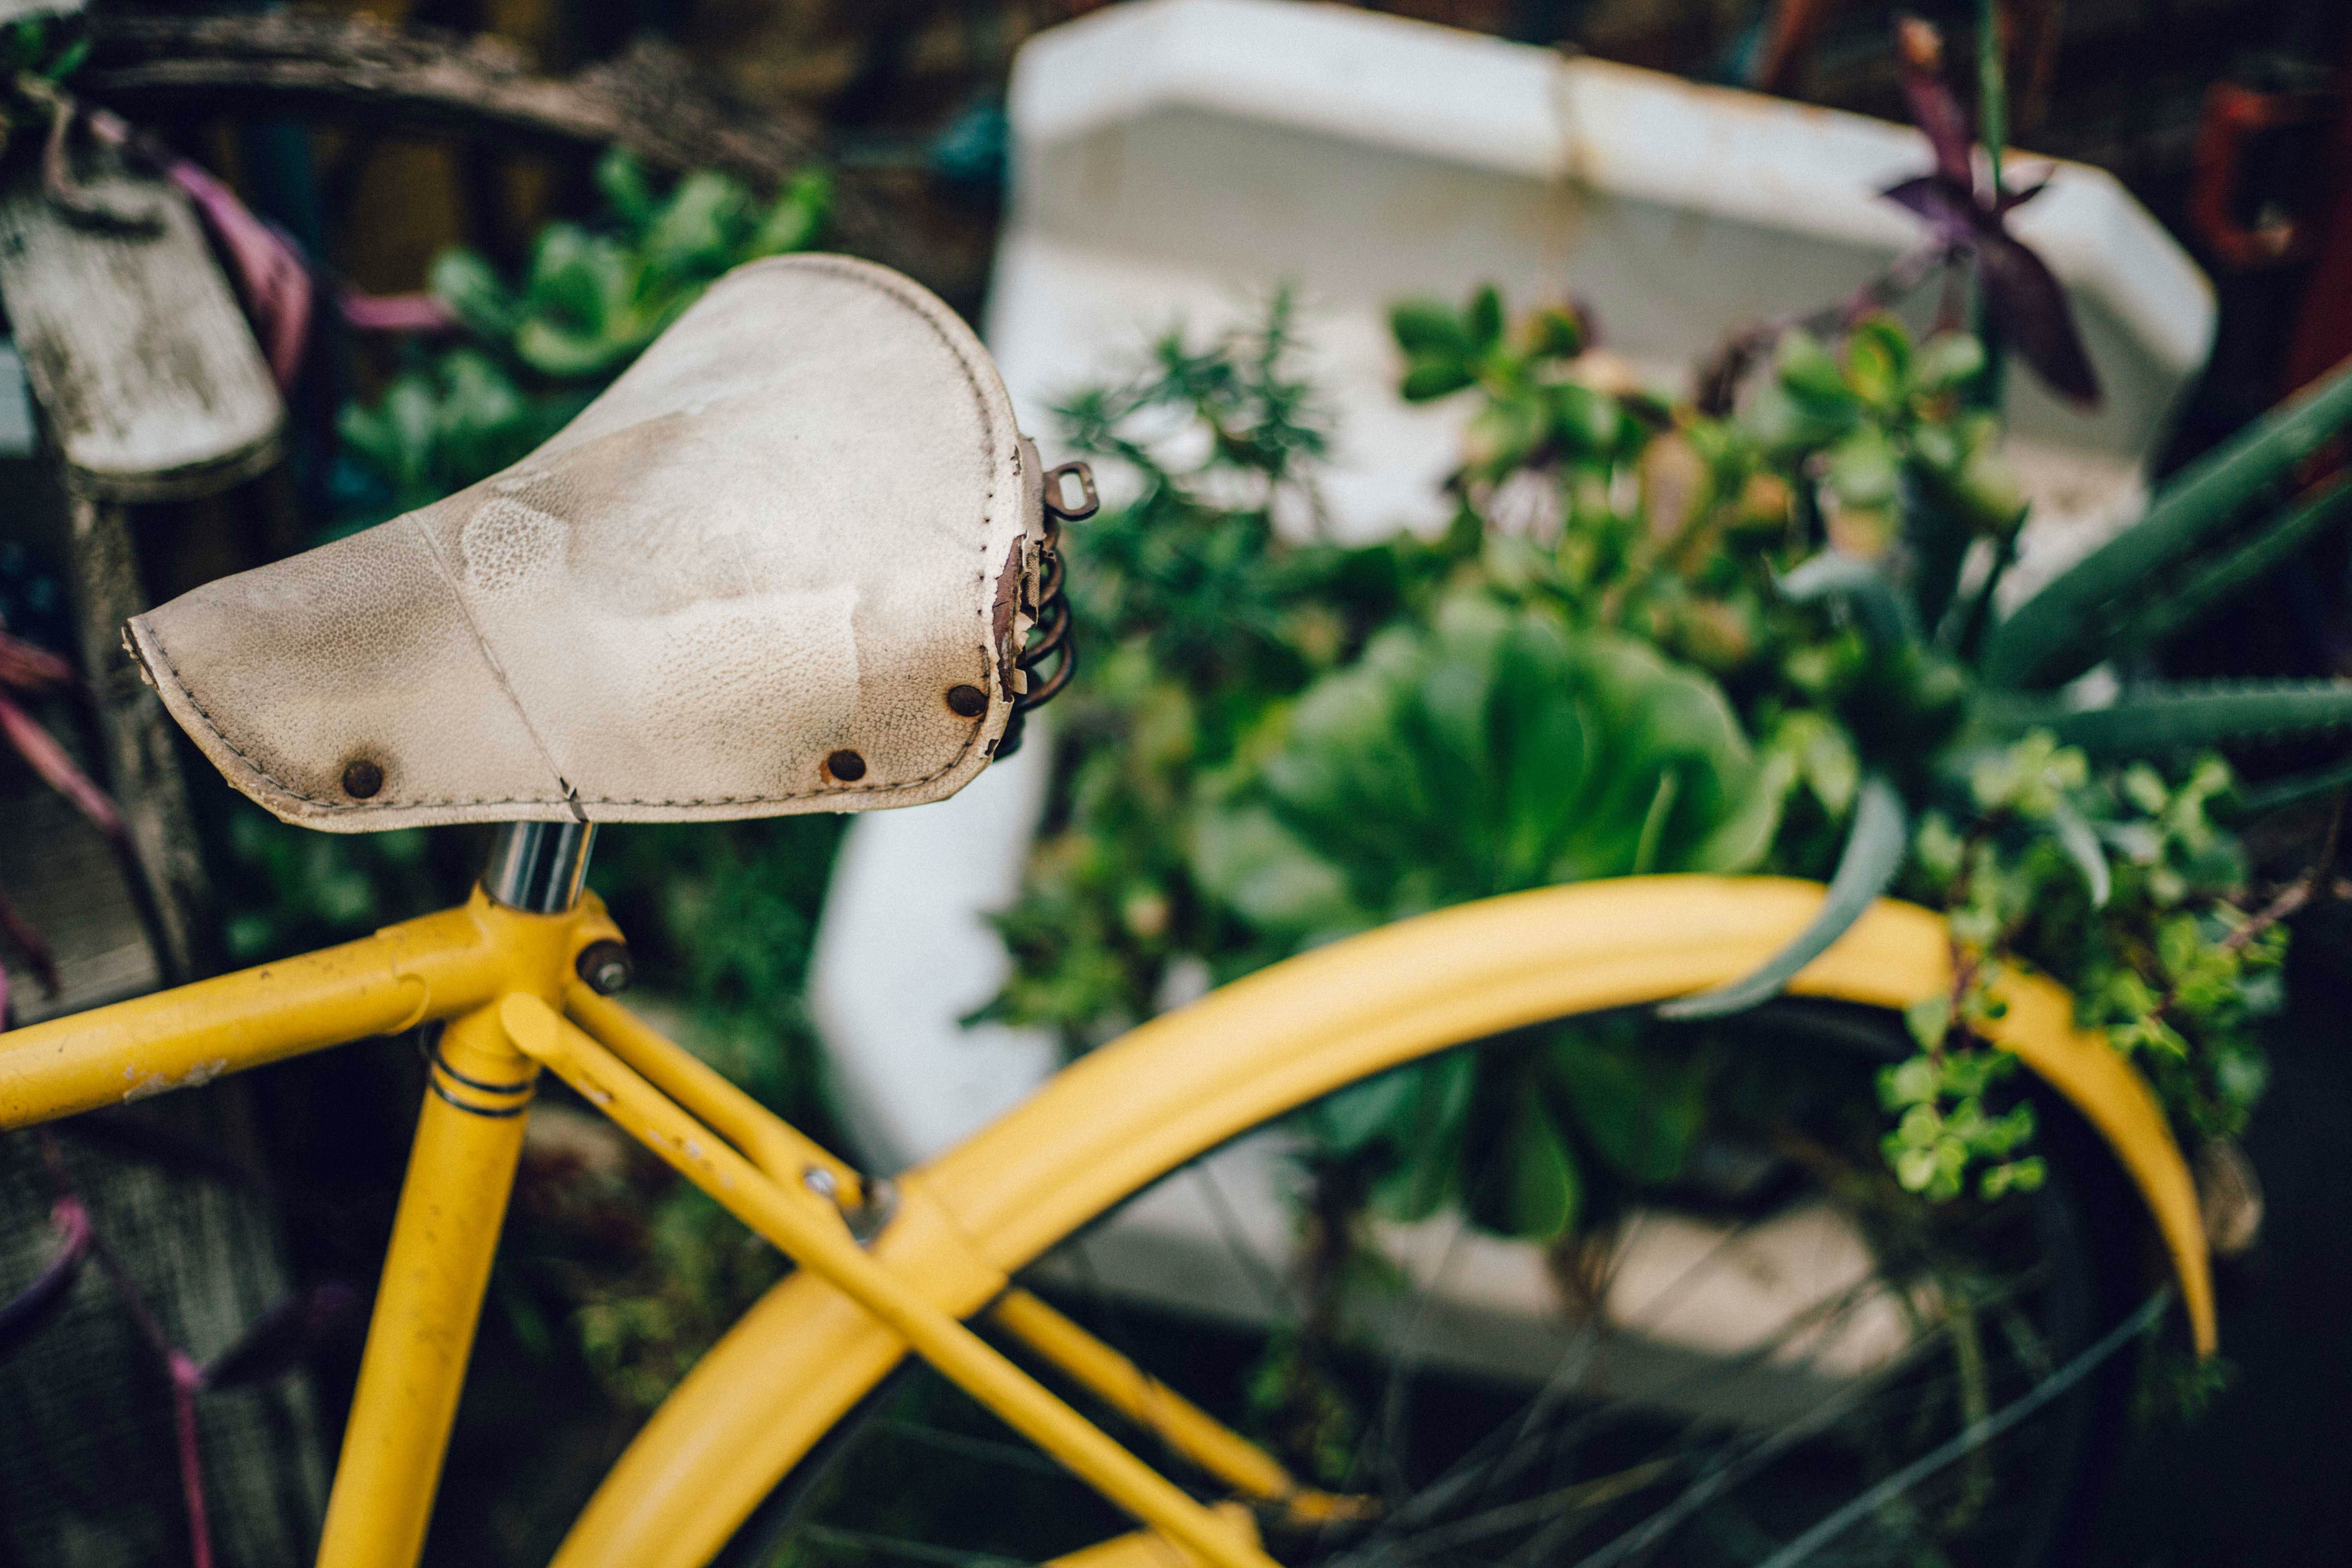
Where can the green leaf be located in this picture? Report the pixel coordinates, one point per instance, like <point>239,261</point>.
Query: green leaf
<point>1872,854</point>
<point>1540,1189</point>
<point>1878,360</point>
<point>1554,331</point>
<point>1503,434</point>
<point>797,218</point>
<point>371,433</point>
<point>567,354</point>
<point>1484,320</point>
<point>2152,719</point>
<point>1429,378</point>
<point>1253,863</point>
<point>1588,421</point>
<point>1637,1110</point>
<point>1653,823</point>
<point>1424,329</point>
<point>1362,1114</point>
<point>2196,594</point>
<point>696,232</point>
<point>1650,716</point>
<point>1875,603</point>
<point>621,179</point>
<point>1862,467</point>
<point>474,292</point>
<point>2064,629</point>
<point>1948,362</point>
<point>2285,791</point>
<point>1807,370</point>
<point>412,417</point>
<point>1492,752</point>
<point>584,282</point>
<point>2081,846</point>
<point>70,60</point>
<point>1818,752</point>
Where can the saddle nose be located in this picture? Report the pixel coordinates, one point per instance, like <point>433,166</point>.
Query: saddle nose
<point>784,564</point>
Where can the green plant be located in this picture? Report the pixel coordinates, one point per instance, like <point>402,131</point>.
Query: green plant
<point>1491,749</point>
<point>1654,640</point>
<point>2114,878</point>
<point>594,298</point>
<point>1200,617</point>
<point>590,301</point>
<point>458,418</point>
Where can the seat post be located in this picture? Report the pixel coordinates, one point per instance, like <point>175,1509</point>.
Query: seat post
<point>539,867</point>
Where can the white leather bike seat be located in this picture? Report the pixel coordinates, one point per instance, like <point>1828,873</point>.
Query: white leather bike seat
<point>784,563</point>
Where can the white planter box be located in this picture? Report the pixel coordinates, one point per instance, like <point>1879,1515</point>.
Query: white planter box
<point>1178,159</point>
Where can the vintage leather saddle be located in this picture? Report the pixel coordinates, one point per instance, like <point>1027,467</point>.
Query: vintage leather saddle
<point>785,563</point>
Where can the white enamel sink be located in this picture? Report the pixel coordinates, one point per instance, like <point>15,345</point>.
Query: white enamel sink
<point>1176,160</point>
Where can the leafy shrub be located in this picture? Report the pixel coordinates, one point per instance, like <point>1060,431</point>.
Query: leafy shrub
<point>590,302</point>
<point>1492,750</point>
<point>1654,640</point>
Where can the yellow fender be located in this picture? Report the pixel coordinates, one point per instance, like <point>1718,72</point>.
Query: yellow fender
<point>1185,1082</point>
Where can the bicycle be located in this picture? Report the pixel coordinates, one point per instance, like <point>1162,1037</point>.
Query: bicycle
<point>873,641</point>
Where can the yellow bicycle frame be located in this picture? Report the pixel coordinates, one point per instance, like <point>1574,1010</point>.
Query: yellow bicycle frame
<point>504,983</point>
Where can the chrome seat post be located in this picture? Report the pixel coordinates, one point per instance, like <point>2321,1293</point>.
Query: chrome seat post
<point>539,867</point>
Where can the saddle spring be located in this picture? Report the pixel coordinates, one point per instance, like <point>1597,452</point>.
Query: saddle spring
<point>1050,634</point>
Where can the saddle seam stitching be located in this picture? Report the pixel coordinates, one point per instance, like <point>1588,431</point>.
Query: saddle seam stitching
<point>491,656</point>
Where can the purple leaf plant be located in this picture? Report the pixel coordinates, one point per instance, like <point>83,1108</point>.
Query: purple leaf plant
<point>2025,306</point>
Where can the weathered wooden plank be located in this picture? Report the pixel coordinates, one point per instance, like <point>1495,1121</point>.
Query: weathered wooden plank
<point>144,367</point>
<point>142,767</point>
<point>356,69</point>
<point>649,99</point>
<point>64,879</point>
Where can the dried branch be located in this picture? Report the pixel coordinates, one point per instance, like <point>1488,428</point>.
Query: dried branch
<point>649,99</point>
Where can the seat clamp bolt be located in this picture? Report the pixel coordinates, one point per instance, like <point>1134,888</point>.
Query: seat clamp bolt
<point>605,967</point>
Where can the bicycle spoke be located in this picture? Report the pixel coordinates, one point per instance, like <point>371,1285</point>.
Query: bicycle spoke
<point>1974,1437</point>
<point>1267,1280</point>
<point>1013,1453</point>
<point>909,1550</point>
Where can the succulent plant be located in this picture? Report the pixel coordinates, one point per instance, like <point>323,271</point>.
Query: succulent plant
<point>2215,529</point>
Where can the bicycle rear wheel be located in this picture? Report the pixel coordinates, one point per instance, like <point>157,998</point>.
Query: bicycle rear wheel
<point>1731,1358</point>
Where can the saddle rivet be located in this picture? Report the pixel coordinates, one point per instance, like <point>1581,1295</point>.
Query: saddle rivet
<point>967,702</point>
<point>846,766</point>
<point>362,779</point>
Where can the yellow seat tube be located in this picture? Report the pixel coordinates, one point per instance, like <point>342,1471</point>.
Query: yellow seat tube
<point>460,1172</point>
<point>826,1250</point>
